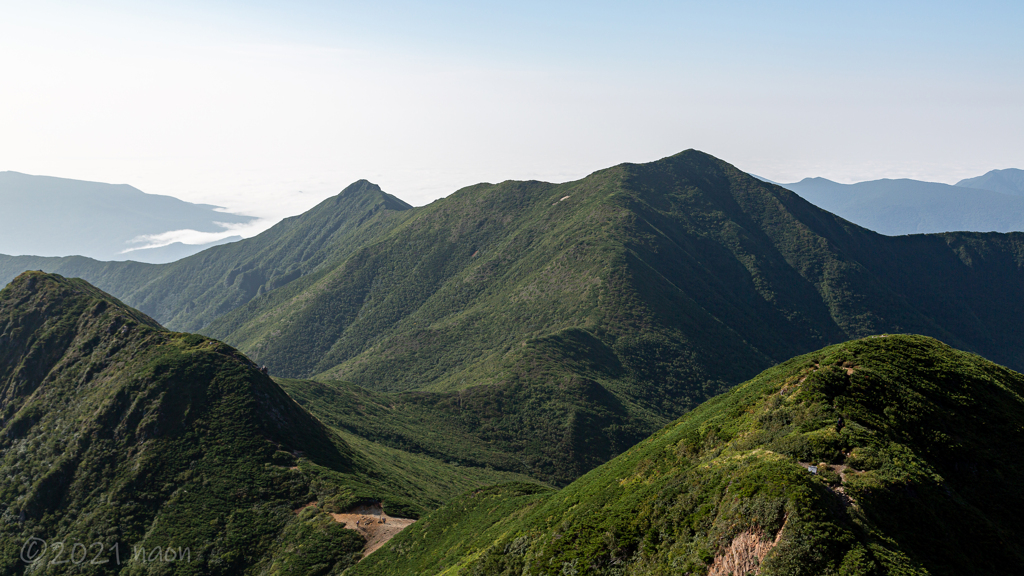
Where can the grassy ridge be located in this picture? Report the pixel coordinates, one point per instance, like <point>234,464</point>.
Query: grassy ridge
<point>116,434</point>
<point>683,276</point>
<point>188,294</point>
<point>917,480</point>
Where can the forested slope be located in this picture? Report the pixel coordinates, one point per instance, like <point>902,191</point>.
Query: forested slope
<point>686,251</point>
<point>915,447</point>
<point>118,435</point>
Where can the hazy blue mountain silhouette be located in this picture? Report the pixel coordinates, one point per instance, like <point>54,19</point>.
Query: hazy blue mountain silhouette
<point>47,216</point>
<point>896,207</point>
<point>1009,181</point>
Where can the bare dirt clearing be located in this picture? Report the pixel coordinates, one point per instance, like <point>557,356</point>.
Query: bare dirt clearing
<point>375,526</point>
<point>745,553</point>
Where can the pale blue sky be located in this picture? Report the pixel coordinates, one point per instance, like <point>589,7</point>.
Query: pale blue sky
<point>244,104</point>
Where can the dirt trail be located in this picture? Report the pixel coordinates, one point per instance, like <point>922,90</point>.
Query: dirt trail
<point>842,470</point>
<point>375,526</point>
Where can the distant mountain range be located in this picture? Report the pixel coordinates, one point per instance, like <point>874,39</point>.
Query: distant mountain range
<point>47,216</point>
<point>1009,181</point>
<point>990,203</point>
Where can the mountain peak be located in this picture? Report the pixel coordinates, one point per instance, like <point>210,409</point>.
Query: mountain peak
<point>817,179</point>
<point>365,190</point>
<point>1008,181</point>
<point>141,437</point>
<point>51,289</point>
<point>177,432</point>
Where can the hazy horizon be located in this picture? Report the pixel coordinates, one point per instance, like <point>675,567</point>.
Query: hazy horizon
<point>268,109</point>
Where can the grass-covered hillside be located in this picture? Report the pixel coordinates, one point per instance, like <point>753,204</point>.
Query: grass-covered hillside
<point>188,294</point>
<point>550,326</point>
<point>545,415</point>
<point>688,269</point>
<point>578,318</point>
<point>119,435</point>
<point>917,448</point>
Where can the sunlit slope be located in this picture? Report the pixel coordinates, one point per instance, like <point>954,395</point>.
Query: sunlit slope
<point>468,278</point>
<point>190,293</point>
<point>920,476</point>
<point>687,263</point>
<point>117,432</point>
<point>578,318</point>
<point>558,324</point>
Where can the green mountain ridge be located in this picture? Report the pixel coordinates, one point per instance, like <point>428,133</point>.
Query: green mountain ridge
<point>685,275</point>
<point>916,450</point>
<point>118,435</point>
<point>749,264</point>
<point>529,332</point>
<point>189,293</point>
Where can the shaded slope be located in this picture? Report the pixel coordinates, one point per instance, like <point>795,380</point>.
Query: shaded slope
<point>188,294</point>
<point>685,275</point>
<point>543,417</point>
<point>115,432</point>
<point>921,478</point>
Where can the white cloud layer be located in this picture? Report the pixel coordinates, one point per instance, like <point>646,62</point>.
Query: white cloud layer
<point>269,109</point>
<point>197,238</point>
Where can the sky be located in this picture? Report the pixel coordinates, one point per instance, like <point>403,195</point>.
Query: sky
<point>267,107</point>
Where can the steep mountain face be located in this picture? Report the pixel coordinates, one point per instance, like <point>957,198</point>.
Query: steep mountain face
<point>1009,181</point>
<point>914,448</point>
<point>188,294</point>
<point>552,326</point>
<point>95,219</point>
<point>896,207</point>
<point>122,437</point>
<point>687,251</point>
<point>617,302</point>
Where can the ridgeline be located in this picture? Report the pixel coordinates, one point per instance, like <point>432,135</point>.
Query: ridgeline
<point>119,435</point>
<point>543,328</point>
<point>886,455</point>
<point>555,325</point>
